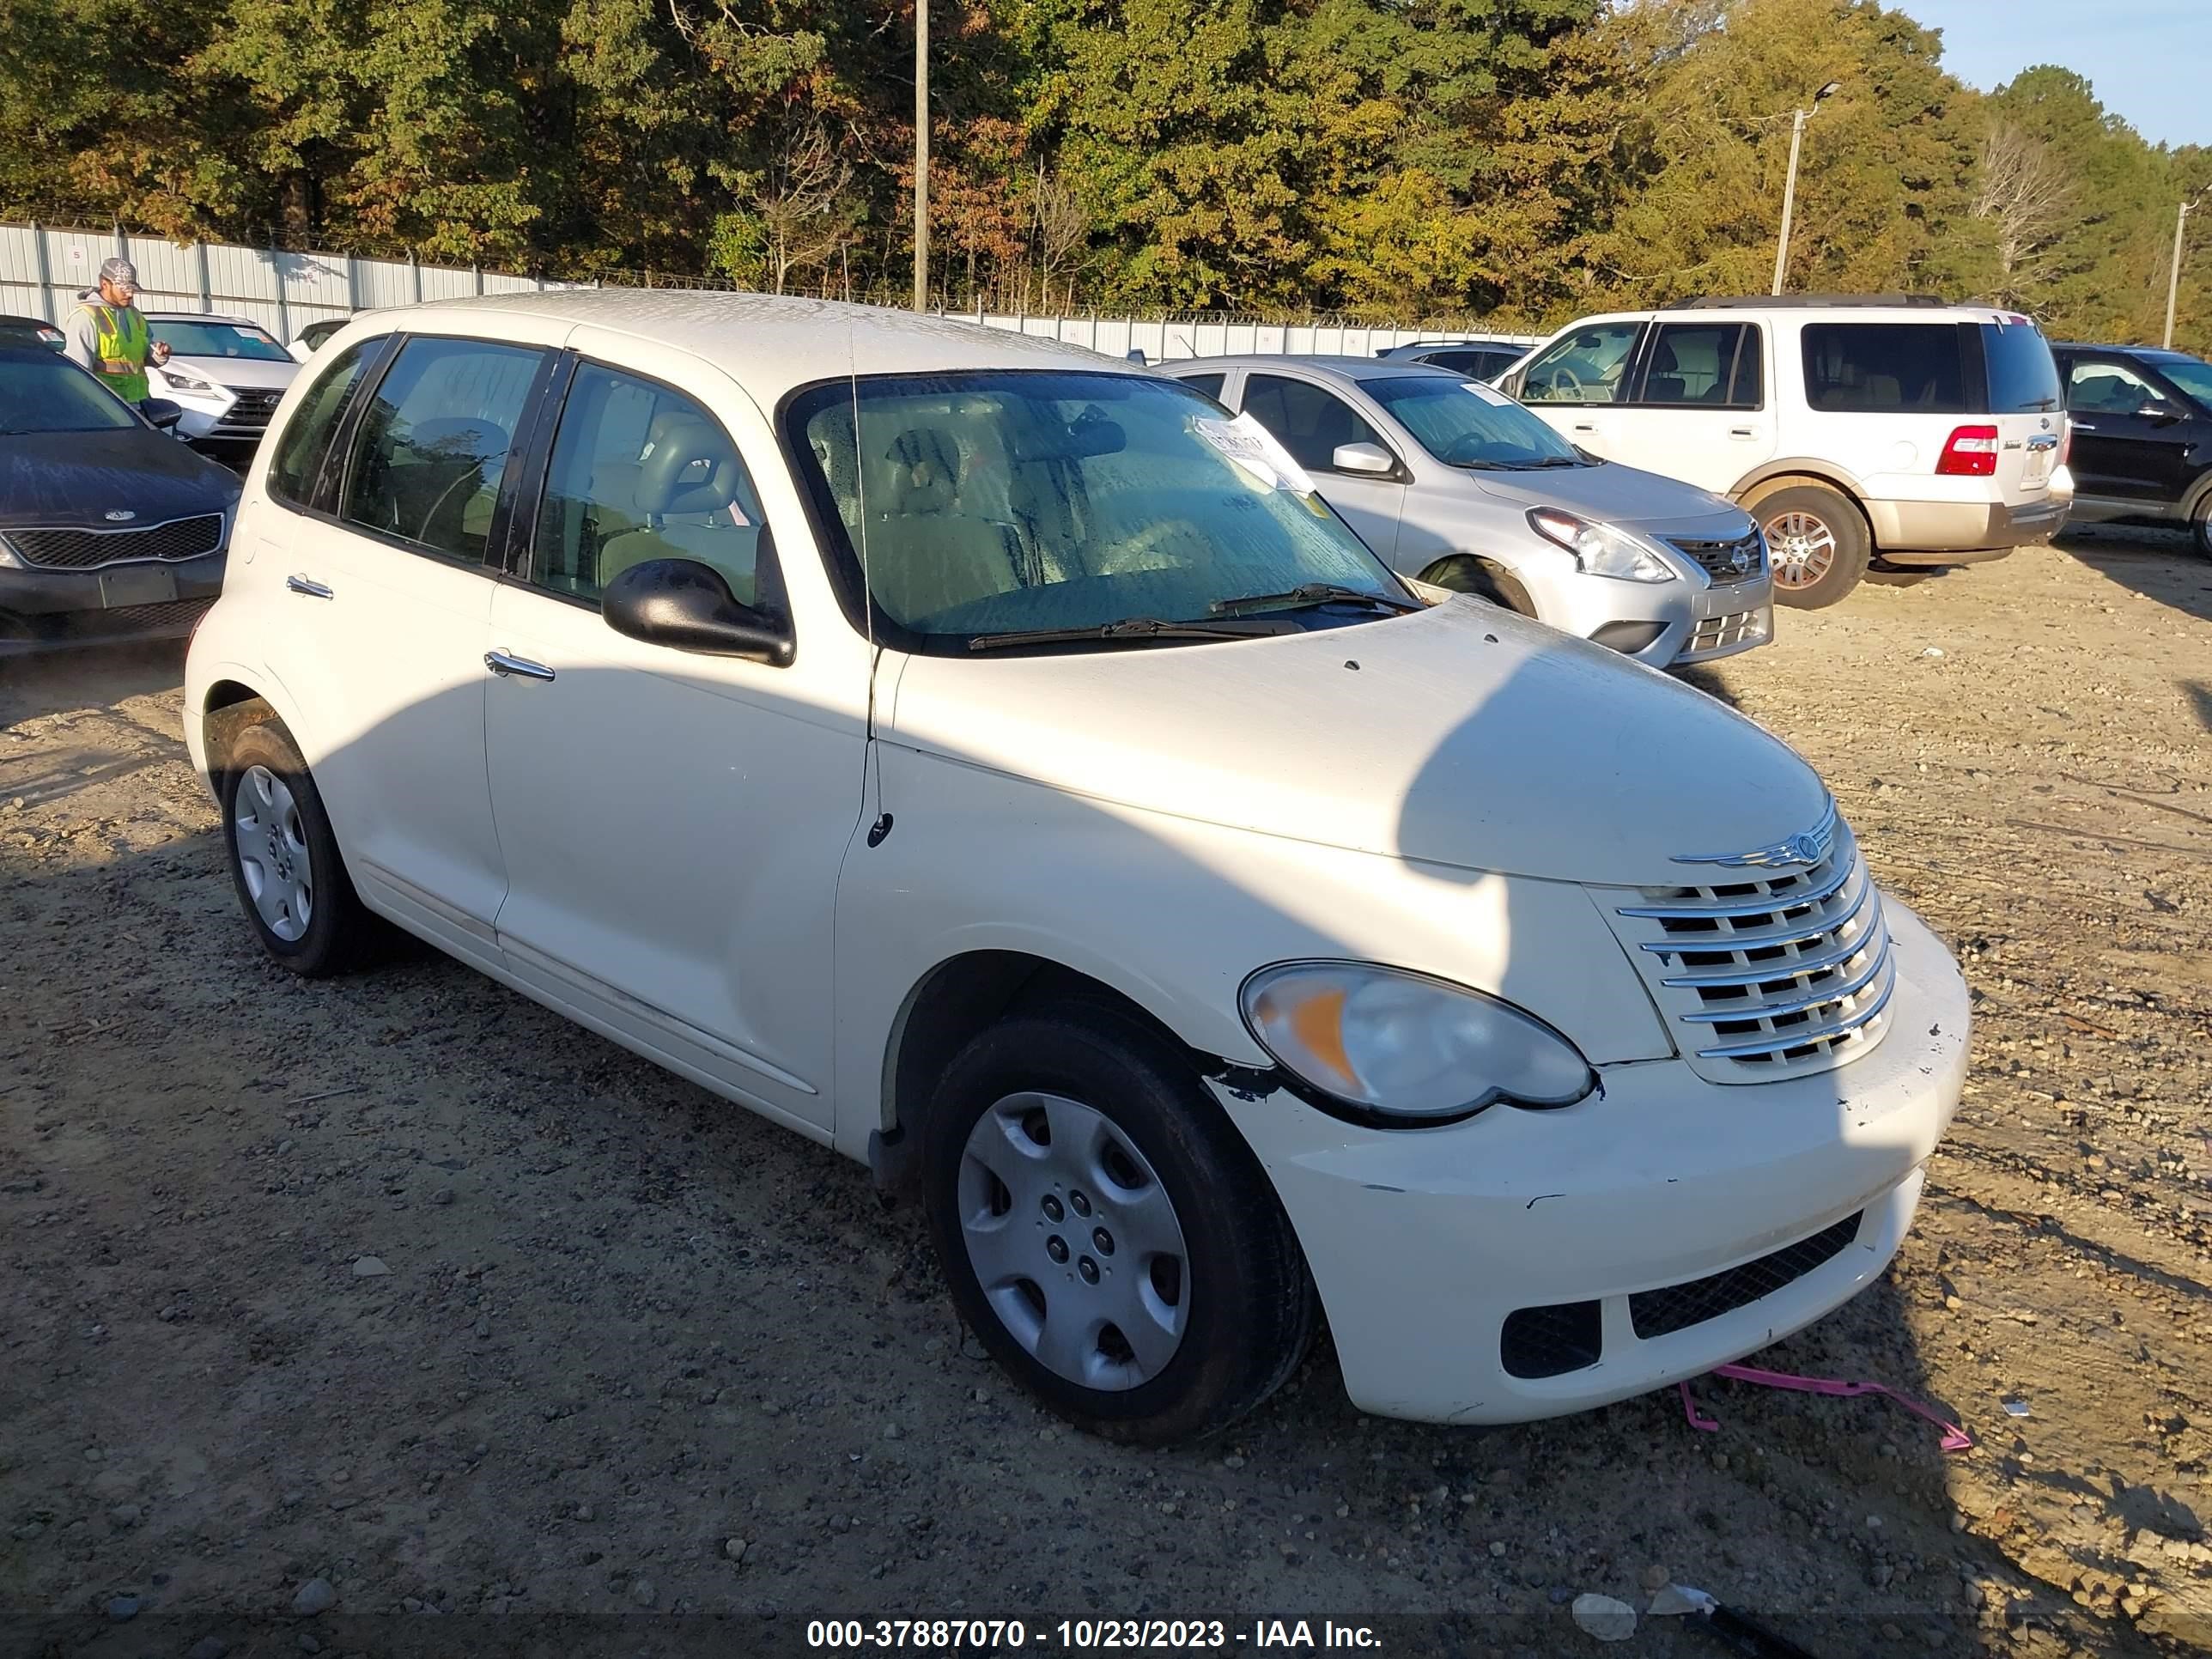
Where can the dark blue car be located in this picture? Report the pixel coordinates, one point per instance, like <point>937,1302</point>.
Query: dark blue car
<point>109,527</point>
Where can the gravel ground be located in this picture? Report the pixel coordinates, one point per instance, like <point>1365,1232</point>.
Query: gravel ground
<point>400,1293</point>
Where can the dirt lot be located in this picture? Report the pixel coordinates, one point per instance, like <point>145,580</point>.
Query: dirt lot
<point>622,1325</point>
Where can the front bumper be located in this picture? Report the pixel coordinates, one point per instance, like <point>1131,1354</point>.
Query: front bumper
<point>1915,532</point>
<point>1663,624</point>
<point>1425,1244</point>
<point>41,606</point>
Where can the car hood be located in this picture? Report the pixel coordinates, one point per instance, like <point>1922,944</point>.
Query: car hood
<point>71,478</point>
<point>247,373</point>
<point>1463,736</point>
<point>1619,494</point>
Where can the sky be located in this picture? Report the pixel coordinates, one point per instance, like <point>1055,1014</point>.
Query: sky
<point>2148,59</point>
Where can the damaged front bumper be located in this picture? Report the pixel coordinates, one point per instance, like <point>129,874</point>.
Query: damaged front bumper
<point>1529,1264</point>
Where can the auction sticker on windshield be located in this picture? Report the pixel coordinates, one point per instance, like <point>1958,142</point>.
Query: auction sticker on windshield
<point>1256,449</point>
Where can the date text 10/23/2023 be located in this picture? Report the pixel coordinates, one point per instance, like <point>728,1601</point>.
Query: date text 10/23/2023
<point>1085,1635</point>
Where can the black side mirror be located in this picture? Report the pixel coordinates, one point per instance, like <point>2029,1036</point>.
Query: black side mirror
<point>162,413</point>
<point>688,606</point>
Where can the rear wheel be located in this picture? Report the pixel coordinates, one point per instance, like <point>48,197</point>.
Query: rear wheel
<point>284,859</point>
<point>1106,1231</point>
<point>1818,540</point>
<point>2200,528</point>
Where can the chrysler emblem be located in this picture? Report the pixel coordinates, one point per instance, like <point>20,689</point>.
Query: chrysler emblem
<point>1807,848</point>
<point>121,516</point>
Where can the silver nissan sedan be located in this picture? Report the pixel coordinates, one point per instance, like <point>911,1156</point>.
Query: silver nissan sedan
<point>1454,483</point>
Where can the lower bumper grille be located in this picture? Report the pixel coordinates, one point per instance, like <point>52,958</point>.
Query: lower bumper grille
<point>84,549</point>
<point>1720,633</point>
<point>1561,1337</point>
<point>1677,1307</point>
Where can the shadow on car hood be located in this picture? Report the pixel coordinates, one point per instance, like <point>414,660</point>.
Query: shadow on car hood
<point>1464,736</point>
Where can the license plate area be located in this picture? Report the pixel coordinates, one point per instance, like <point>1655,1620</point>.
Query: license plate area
<point>147,584</point>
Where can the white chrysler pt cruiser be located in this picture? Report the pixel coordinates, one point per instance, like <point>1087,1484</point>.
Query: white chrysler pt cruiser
<point>997,763</point>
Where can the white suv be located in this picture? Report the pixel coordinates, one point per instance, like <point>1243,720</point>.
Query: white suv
<point>1904,430</point>
<point>998,763</point>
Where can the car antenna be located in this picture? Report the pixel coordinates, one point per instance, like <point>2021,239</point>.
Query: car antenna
<point>882,826</point>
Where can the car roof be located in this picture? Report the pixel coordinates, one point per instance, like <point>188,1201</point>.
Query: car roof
<point>1341,368</point>
<point>8,320</point>
<point>2149,354</point>
<point>200,316</point>
<point>770,343</point>
<point>1855,308</point>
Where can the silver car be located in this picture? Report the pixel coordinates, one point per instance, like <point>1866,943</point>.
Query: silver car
<point>1457,484</point>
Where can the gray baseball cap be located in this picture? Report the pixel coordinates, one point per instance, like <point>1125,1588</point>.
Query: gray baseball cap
<point>121,272</point>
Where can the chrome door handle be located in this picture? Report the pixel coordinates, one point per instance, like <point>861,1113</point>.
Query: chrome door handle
<point>2083,425</point>
<point>1741,432</point>
<point>501,663</point>
<point>308,585</point>
<point>1585,427</point>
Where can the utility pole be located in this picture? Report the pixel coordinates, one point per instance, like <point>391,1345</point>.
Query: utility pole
<point>2173,277</point>
<point>1789,189</point>
<point>921,155</point>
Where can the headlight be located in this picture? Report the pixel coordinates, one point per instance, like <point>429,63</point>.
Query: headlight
<point>1600,549</point>
<point>8,559</point>
<point>1405,1048</point>
<point>181,380</point>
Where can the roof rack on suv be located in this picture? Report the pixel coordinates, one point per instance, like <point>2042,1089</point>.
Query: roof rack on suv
<point>1795,301</point>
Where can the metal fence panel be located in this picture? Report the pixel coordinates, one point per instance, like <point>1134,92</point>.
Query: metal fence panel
<point>43,269</point>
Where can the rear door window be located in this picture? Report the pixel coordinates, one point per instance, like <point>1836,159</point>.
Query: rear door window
<point>433,444</point>
<point>1702,365</point>
<point>1885,368</point>
<point>2023,378</point>
<point>1209,384</point>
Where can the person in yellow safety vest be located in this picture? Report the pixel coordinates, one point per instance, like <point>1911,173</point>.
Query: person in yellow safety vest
<point>108,335</point>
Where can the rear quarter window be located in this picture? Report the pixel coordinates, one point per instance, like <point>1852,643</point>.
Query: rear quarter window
<point>1887,369</point>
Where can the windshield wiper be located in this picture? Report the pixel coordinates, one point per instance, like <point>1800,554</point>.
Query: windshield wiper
<point>1312,594</point>
<point>1131,628</point>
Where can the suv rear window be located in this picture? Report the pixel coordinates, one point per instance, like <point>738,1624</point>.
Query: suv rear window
<point>2022,375</point>
<point>1912,369</point>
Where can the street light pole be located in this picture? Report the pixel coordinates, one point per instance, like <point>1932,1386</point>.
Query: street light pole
<point>2174,276</point>
<point>1789,189</point>
<point>921,155</point>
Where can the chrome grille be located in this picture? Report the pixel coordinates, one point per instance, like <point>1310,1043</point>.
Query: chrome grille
<point>252,409</point>
<point>1725,633</point>
<point>81,550</point>
<point>1719,559</point>
<point>1769,977</point>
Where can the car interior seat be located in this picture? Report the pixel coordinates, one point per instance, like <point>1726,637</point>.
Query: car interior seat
<point>923,554</point>
<point>684,497</point>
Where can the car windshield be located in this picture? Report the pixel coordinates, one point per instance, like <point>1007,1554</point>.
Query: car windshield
<point>41,393</point>
<point>2191,374</point>
<point>1004,502</point>
<point>218,339</point>
<point>1463,424</point>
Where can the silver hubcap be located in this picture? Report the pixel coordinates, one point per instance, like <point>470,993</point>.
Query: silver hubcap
<point>1074,1241</point>
<point>272,853</point>
<point>1803,547</point>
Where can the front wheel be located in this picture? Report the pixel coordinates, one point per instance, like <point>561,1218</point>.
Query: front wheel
<point>1106,1231</point>
<point>1819,542</point>
<point>2200,528</point>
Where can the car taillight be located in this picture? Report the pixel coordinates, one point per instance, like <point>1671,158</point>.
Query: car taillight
<point>1970,453</point>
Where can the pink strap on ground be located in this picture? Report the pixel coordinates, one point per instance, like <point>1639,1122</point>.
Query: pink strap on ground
<point>1955,1439</point>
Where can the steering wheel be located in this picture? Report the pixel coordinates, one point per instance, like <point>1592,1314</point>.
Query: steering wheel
<point>1468,446</point>
<point>1579,393</point>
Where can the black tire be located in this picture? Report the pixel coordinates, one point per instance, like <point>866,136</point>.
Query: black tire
<point>1463,574</point>
<point>2200,529</point>
<point>1251,1305</point>
<point>340,933</point>
<point>1844,541</point>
